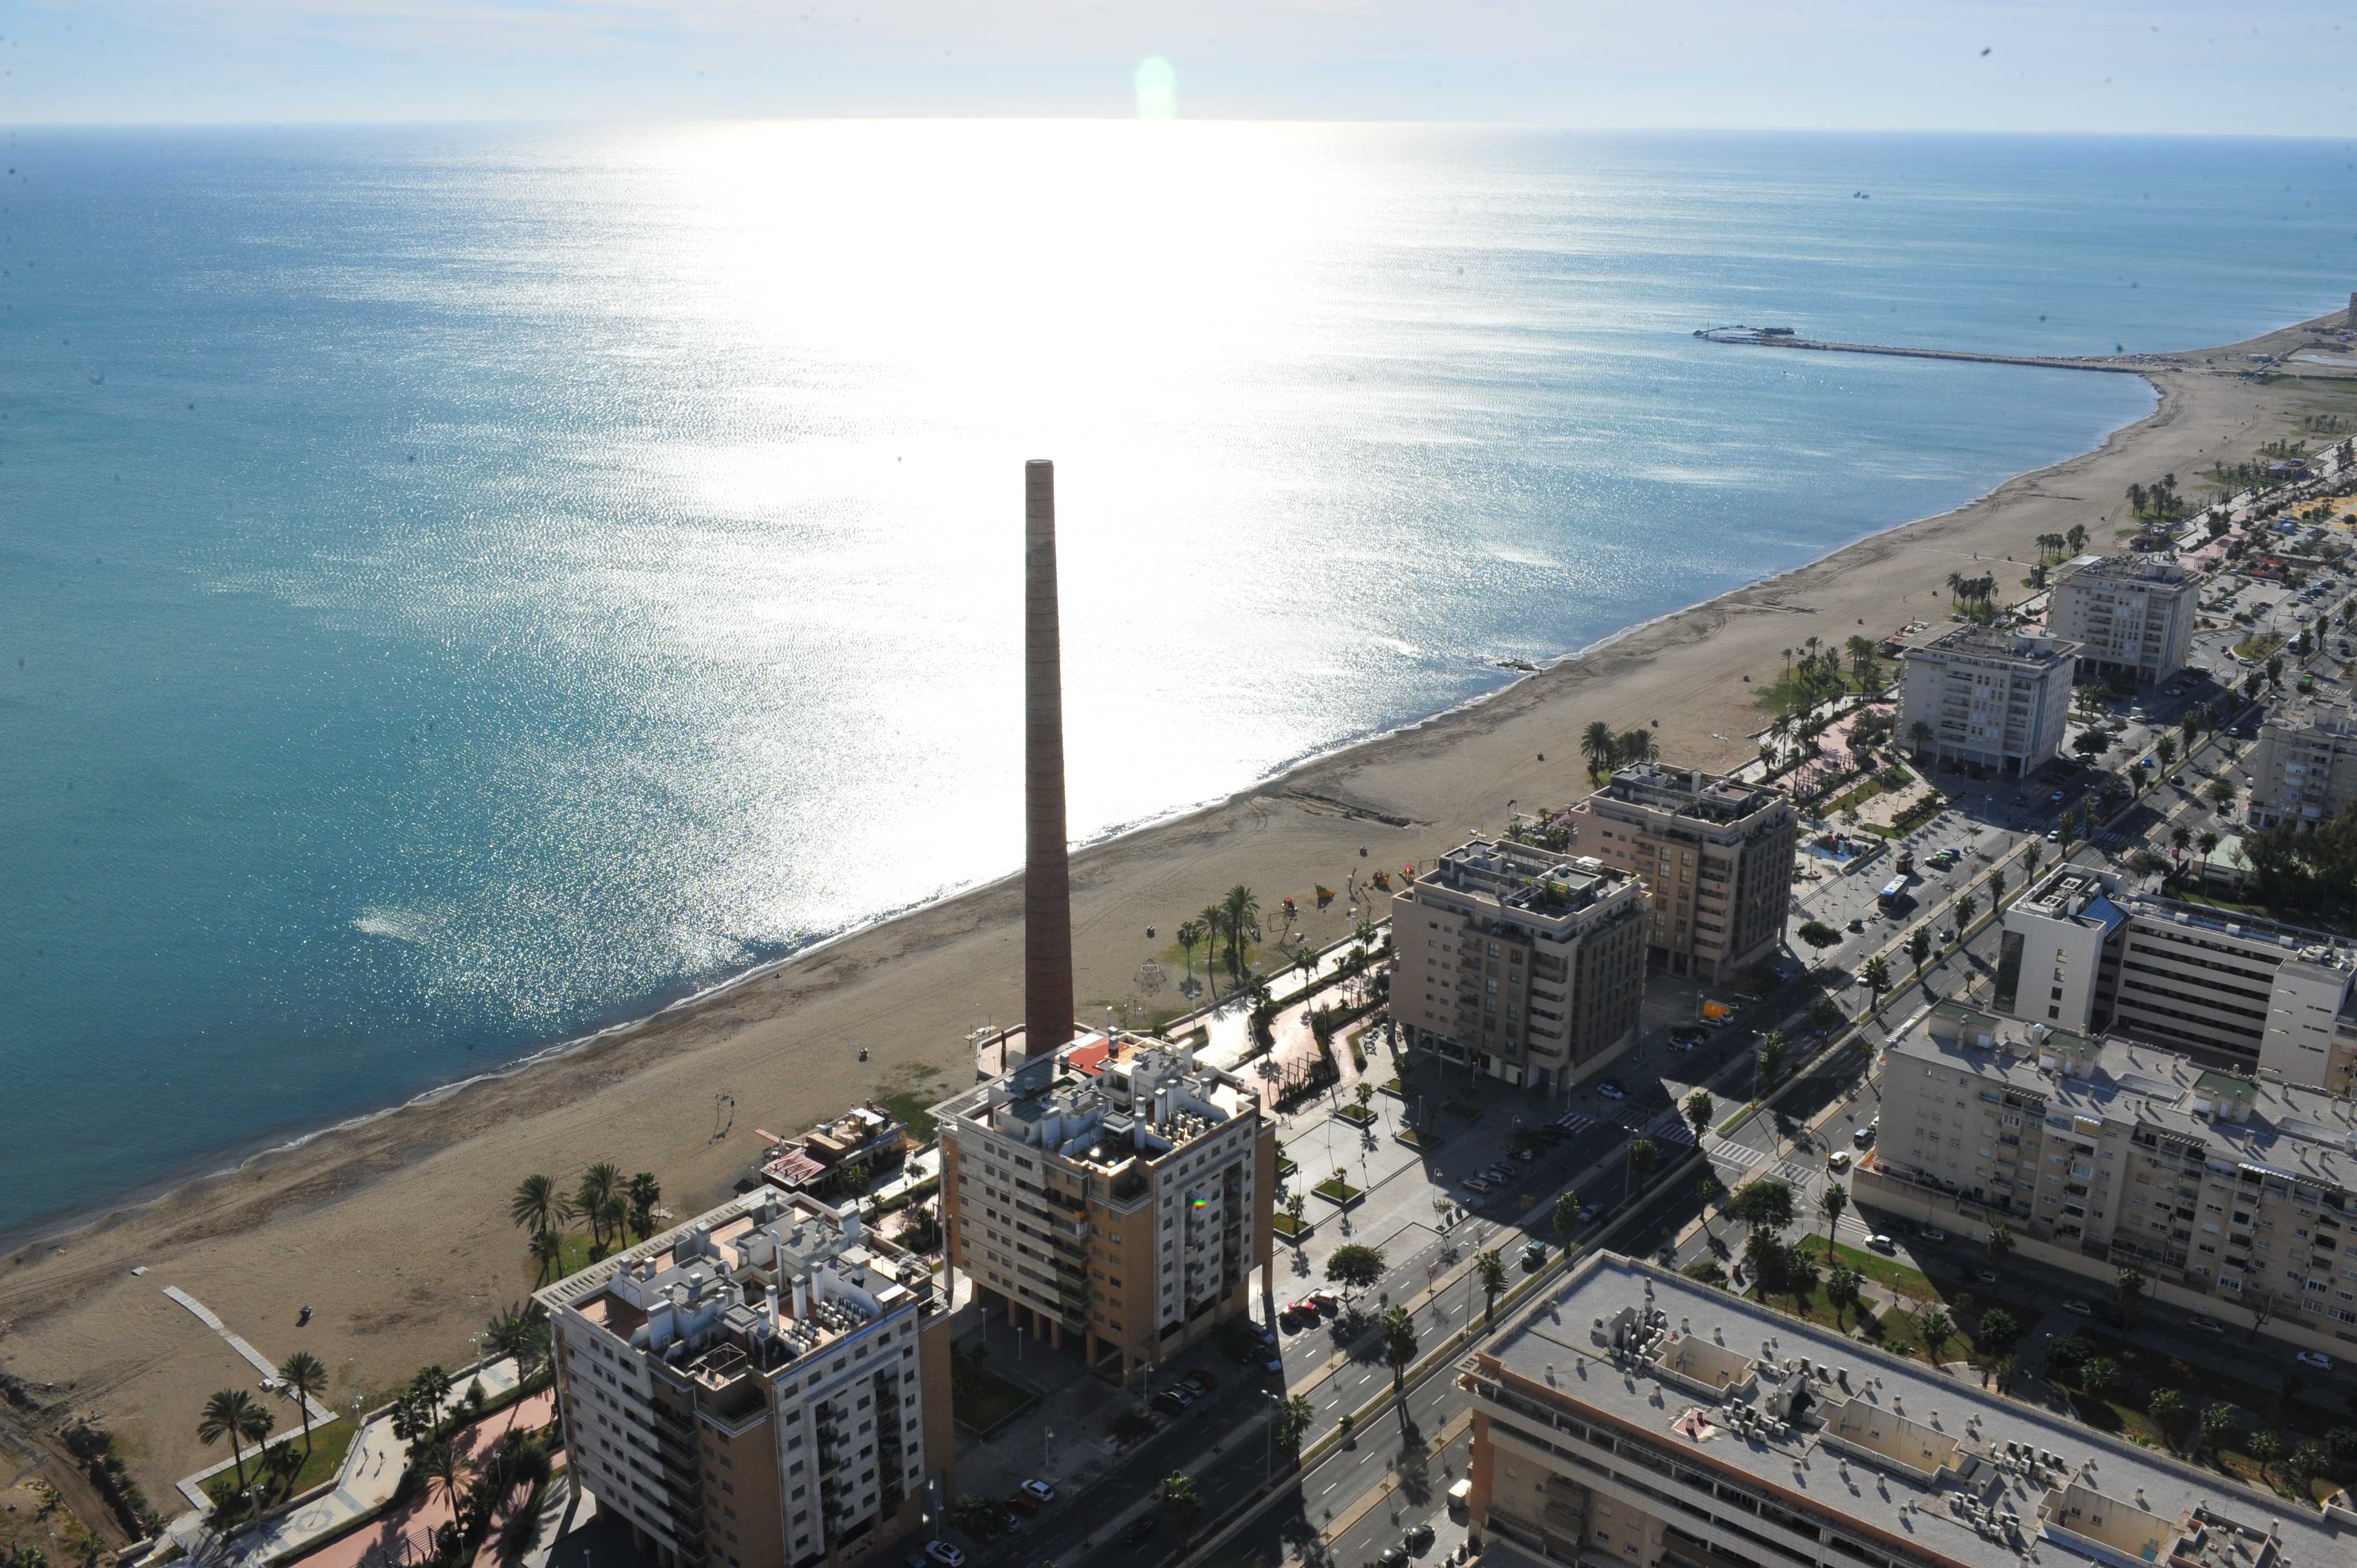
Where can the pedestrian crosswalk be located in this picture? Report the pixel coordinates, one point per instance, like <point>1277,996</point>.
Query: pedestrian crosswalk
<point>1668,1124</point>
<point>1573,1121</point>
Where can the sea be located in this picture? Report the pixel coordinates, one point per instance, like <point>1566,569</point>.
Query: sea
<point>462,587</point>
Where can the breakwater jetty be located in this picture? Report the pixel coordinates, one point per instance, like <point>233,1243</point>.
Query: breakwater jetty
<point>1784,338</point>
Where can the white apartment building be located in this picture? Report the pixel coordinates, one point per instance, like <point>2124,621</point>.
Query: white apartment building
<point>2131,615</point>
<point>1715,854</point>
<point>764,1385</point>
<point>1636,1417</point>
<point>1989,698</point>
<point>1115,1194</point>
<point>2228,1191</point>
<point>1519,963</point>
<point>2304,769</point>
<point>2079,952</point>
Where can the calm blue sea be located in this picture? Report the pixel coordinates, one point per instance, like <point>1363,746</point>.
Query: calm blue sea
<point>462,587</point>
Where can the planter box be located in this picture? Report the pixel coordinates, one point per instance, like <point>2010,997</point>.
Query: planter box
<point>1392,1086</point>
<point>1416,1140</point>
<point>1341,1194</point>
<point>1358,1116</point>
<point>1288,1232</point>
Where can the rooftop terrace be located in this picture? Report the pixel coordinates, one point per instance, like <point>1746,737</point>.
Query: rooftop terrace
<point>1927,1461</point>
<point>1110,1101</point>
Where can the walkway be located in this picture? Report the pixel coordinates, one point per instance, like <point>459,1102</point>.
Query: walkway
<point>204,1314</point>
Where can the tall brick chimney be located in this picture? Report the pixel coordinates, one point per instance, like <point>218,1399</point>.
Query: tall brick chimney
<point>1048,1002</point>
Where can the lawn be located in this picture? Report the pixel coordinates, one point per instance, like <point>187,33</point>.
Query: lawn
<point>2258,647</point>
<point>1287,1227</point>
<point>1357,1115</point>
<point>276,1483</point>
<point>911,1108</point>
<point>1335,1191</point>
<point>1888,1272</point>
<point>1887,781</point>
<point>1894,1329</point>
<point>1416,1140</point>
<point>981,1399</point>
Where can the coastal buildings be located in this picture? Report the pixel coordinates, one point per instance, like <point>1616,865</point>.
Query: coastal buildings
<point>2098,1154</point>
<point>1638,1417</point>
<point>2304,769</point>
<point>2131,615</point>
<point>866,1137</point>
<point>1113,1193</point>
<point>1715,854</point>
<point>1519,963</point>
<point>1985,697</point>
<point>2081,953</point>
<point>766,1384</point>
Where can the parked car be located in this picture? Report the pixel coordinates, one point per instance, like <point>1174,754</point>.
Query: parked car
<point>1142,1529</point>
<point>1479,1184</point>
<point>2078,1307</point>
<point>1023,1503</point>
<point>1863,1137</point>
<point>1417,1537</point>
<point>1171,1402</point>
<point>1611,1089</point>
<point>1933,1233</point>
<point>1838,1160</point>
<point>1328,1301</point>
<point>1588,1214</point>
<point>2315,1359</point>
<point>2209,1325</point>
<point>1985,1276</point>
<point>1306,1307</point>
<point>943,1553</point>
<point>1202,1382</point>
<point>1881,1243</point>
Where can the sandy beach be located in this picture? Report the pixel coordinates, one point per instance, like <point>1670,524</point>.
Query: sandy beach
<point>396,1233</point>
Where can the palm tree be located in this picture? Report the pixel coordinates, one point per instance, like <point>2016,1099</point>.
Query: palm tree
<point>2076,540</point>
<point>537,1205</point>
<point>1920,732</point>
<point>1876,973</point>
<point>1956,585</point>
<point>303,1376</point>
<point>437,1464</point>
<point>645,1192</point>
<point>1189,933</point>
<point>1966,907</point>
<point>2130,1285</point>
<point>1767,1060</point>
<point>2000,1246</point>
<point>1214,920</point>
<point>1597,743</point>
<point>547,1249</point>
<point>1241,908</point>
<point>1640,1161</point>
<point>2207,842</point>
<point>1698,1110</point>
<point>1997,890</point>
<point>1830,1204</point>
<point>2030,858</point>
<point>1566,1215</point>
<point>1919,948</point>
<point>229,1413</point>
<point>1399,1351</point>
<point>1937,1331</point>
<point>1637,745</point>
<point>1181,1504</point>
<point>1490,1270</point>
<point>599,1185</point>
<point>1862,666</point>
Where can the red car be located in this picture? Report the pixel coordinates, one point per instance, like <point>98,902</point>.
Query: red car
<point>1304,1308</point>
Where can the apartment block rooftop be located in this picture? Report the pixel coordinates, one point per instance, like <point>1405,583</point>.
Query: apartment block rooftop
<point>2273,1128</point>
<point>2320,715</point>
<point>1113,1102</point>
<point>1935,1466</point>
<point>753,1285</point>
<point>2000,643</point>
<point>1689,792</point>
<point>2124,568</point>
<point>1526,879</point>
<point>2086,895</point>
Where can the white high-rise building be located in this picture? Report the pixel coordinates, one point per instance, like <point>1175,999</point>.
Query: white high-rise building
<point>1987,698</point>
<point>2304,770</point>
<point>2131,615</point>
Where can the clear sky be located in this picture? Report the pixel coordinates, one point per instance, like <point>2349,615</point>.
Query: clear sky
<point>2282,67</point>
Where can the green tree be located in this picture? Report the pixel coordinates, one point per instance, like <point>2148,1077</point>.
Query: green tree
<point>538,1205</point>
<point>438,1465</point>
<point>1566,1215</point>
<point>1937,1331</point>
<point>1399,1351</point>
<point>1642,1155</point>
<point>1600,747</point>
<point>1767,1061</point>
<point>1189,933</point>
<point>1998,1333</point>
<point>1919,948</point>
<point>303,1376</point>
<point>1182,1505</point>
<point>2268,1449</point>
<point>2165,748</point>
<point>1490,1270</point>
<point>1997,890</point>
<point>1830,1203</point>
<point>1214,921</point>
<point>2000,1246</point>
<point>1966,907</point>
<point>1920,733</point>
<point>2098,1376</point>
<point>1296,1207</point>
<point>1698,1112</point>
<point>1817,934</point>
<point>1876,973</point>
<point>600,1185</point>
<point>230,1414</point>
<point>1241,908</point>
<point>1355,1266</point>
<point>2305,1463</point>
<point>1637,745</point>
<point>2170,1409</point>
<point>1801,1277</point>
<point>1293,1421</point>
<point>2220,1426</point>
<point>1842,1290</point>
<point>2130,1285</point>
<point>547,1248</point>
<point>645,1192</point>
<point>1765,1205</point>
